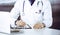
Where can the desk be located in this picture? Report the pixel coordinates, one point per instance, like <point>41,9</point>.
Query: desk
<point>45,31</point>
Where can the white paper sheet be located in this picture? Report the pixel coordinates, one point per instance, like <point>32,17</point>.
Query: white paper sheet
<point>4,22</point>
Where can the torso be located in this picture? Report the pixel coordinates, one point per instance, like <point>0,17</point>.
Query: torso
<point>30,17</point>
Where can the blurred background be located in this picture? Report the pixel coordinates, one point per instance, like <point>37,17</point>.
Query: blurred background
<point>7,5</point>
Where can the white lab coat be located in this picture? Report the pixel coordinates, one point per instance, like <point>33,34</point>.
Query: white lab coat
<point>40,11</point>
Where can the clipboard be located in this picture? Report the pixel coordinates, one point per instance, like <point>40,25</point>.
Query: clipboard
<point>25,27</point>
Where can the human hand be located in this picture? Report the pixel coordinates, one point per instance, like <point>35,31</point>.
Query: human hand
<point>20,23</point>
<point>39,25</point>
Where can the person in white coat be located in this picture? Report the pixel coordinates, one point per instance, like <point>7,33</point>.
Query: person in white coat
<point>37,13</point>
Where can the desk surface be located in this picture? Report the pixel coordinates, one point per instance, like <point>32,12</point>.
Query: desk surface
<point>45,31</point>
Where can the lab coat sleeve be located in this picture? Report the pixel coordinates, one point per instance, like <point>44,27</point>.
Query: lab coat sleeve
<point>47,13</point>
<point>15,12</point>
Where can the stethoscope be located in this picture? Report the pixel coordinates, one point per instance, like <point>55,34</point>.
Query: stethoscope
<point>37,5</point>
